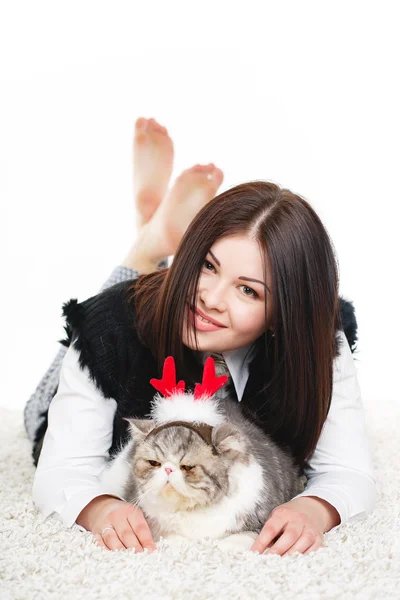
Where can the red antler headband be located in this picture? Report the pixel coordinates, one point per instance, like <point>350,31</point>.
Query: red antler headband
<point>207,388</point>
<point>198,411</point>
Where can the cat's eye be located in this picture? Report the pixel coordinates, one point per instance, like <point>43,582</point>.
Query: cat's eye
<point>155,463</point>
<point>187,467</point>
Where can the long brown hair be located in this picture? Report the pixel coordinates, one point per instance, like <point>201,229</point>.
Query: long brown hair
<point>305,315</point>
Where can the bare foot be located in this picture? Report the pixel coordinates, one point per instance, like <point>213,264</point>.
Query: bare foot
<point>152,167</point>
<point>191,191</point>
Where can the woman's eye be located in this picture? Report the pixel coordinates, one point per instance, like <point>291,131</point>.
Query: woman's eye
<point>207,262</point>
<point>253,293</point>
<point>154,463</point>
<point>187,467</point>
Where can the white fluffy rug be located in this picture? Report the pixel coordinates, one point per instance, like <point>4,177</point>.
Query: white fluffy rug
<point>45,560</point>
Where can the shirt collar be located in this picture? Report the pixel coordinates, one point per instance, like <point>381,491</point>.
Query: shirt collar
<point>237,362</point>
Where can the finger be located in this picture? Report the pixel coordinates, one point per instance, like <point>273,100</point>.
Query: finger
<point>317,544</point>
<point>290,536</point>
<point>99,540</point>
<point>271,530</point>
<point>264,540</point>
<point>111,540</point>
<point>142,531</point>
<point>127,536</point>
<point>307,539</point>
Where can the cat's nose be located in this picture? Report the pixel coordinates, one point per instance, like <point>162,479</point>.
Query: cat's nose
<point>168,470</point>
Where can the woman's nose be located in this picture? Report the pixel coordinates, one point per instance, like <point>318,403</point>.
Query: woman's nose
<point>214,298</point>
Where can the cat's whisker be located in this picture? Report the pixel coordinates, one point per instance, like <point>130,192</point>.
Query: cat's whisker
<point>141,495</point>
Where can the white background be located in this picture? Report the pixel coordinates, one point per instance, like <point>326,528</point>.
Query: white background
<point>304,94</point>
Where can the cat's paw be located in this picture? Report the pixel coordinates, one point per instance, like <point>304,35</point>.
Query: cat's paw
<point>238,541</point>
<point>174,540</point>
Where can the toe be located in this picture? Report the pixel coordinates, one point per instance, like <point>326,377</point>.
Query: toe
<point>217,176</point>
<point>141,123</point>
<point>160,129</point>
<point>155,126</point>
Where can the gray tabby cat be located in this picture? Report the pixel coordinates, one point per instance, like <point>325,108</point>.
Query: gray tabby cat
<point>218,476</point>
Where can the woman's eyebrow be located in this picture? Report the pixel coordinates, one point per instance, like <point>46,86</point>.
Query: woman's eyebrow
<point>241,277</point>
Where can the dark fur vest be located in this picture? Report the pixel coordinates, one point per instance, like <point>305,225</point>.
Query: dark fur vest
<point>103,331</point>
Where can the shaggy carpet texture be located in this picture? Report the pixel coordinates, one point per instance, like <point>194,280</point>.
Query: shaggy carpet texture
<point>360,559</point>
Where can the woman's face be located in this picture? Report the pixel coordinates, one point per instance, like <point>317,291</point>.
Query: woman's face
<point>228,293</point>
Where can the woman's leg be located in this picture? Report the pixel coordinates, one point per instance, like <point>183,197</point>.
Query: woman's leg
<point>161,235</point>
<point>161,222</point>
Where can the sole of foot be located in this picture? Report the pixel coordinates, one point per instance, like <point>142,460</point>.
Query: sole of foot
<point>192,190</point>
<point>153,155</point>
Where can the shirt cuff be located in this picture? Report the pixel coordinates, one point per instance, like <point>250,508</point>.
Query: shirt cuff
<point>70,511</point>
<point>352,495</point>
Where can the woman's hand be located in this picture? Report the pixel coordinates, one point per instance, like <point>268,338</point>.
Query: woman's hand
<point>297,526</point>
<point>130,528</point>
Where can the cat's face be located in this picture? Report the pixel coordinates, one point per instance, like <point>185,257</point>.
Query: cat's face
<point>179,467</point>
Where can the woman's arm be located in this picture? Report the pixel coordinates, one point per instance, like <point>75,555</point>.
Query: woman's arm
<point>340,470</point>
<point>40,400</point>
<point>75,447</point>
<point>341,480</point>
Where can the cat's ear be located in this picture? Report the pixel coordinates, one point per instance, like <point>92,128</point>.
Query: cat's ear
<point>228,440</point>
<point>139,428</point>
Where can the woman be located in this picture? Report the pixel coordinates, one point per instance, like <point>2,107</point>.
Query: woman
<point>290,362</point>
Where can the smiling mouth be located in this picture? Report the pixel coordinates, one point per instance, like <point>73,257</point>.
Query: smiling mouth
<point>204,319</point>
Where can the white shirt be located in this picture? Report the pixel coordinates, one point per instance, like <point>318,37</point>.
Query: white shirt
<point>80,427</point>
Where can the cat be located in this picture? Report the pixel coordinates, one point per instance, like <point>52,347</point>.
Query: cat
<point>217,476</point>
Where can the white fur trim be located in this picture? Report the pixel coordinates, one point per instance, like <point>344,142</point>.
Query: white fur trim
<point>183,407</point>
